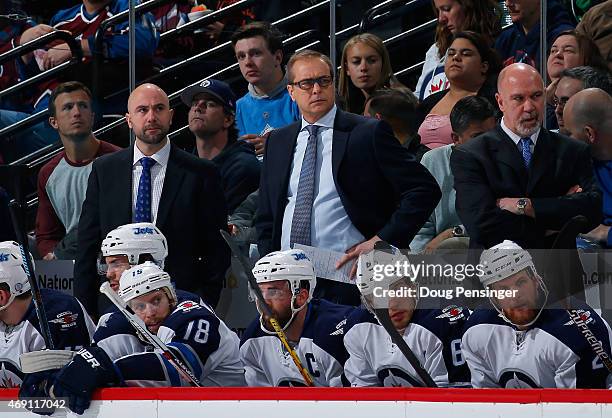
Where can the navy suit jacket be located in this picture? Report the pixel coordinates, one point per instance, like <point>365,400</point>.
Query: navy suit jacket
<point>191,212</point>
<point>383,189</point>
<point>491,167</point>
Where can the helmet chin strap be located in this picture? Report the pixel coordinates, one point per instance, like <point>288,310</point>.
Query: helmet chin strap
<point>542,285</point>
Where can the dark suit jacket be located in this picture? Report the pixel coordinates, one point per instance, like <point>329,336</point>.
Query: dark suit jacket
<point>191,212</point>
<point>384,190</point>
<point>491,167</point>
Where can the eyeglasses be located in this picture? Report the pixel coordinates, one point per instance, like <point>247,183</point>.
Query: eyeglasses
<point>104,267</point>
<point>560,101</point>
<point>273,293</point>
<point>206,104</point>
<point>309,83</point>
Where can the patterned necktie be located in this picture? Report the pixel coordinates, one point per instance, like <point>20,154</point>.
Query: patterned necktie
<point>300,224</point>
<point>143,200</point>
<point>526,147</point>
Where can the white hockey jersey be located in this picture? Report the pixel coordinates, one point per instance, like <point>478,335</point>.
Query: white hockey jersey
<point>320,349</point>
<point>70,326</point>
<point>433,335</point>
<point>552,353</point>
<point>199,338</point>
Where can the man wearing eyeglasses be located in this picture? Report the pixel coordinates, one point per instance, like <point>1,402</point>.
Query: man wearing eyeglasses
<point>337,181</point>
<point>212,110</point>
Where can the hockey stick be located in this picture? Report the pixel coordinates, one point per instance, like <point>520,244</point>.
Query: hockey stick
<point>570,230</point>
<point>396,338</point>
<point>244,264</point>
<point>151,338</point>
<point>17,217</point>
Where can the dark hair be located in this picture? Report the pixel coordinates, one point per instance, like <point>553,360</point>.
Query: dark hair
<point>67,87</point>
<point>589,52</point>
<point>272,36</point>
<point>397,106</point>
<point>481,16</point>
<point>468,110</point>
<point>304,55</point>
<point>590,77</point>
<point>7,288</point>
<point>487,54</point>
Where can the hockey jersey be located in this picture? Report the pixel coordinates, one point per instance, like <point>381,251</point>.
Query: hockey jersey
<point>320,349</point>
<point>192,331</point>
<point>552,353</point>
<point>434,335</point>
<point>70,326</point>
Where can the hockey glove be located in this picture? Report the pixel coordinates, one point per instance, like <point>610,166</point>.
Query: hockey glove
<point>37,385</point>
<point>90,369</point>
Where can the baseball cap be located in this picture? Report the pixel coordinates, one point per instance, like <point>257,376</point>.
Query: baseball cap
<point>217,89</point>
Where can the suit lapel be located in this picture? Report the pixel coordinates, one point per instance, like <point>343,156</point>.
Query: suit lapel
<point>285,148</point>
<point>123,198</point>
<point>543,157</point>
<point>340,140</point>
<point>172,184</point>
<point>506,152</point>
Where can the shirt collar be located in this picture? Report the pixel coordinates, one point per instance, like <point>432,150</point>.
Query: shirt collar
<point>161,157</point>
<point>516,138</point>
<point>326,121</point>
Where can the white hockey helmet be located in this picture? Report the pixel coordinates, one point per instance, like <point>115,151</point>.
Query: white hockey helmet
<point>134,240</point>
<point>144,278</point>
<point>295,267</point>
<point>13,270</point>
<point>371,274</point>
<point>504,260</point>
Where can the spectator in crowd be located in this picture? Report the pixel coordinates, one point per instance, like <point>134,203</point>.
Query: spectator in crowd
<point>596,24</point>
<point>588,117</point>
<point>82,21</point>
<point>480,16</point>
<point>520,181</point>
<point>20,331</point>
<point>127,187</point>
<point>62,182</point>
<point>520,342</point>
<point>391,203</point>
<point>571,81</point>
<point>267,105</point>
<point>365,67</point>
<point>471,68</point>
<point>398,109</point>
<point>569,50</point>
<point>287,282</point>
<point>212,107</point>
<point>470,117</point>
<point>520,43</point>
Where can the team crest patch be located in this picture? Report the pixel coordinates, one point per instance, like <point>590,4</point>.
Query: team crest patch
<point>453,313</point>
<point>66,320</point>
<point>585,316</point>
<point>188,305</point>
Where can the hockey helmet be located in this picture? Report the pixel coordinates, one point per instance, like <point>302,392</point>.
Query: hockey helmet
<point>134,240</point>
<point>13,270</point>
<point>144,278</point>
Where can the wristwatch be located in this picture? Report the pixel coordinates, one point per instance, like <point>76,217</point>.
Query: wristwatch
<point>458,231</point>
<point>521,204</point>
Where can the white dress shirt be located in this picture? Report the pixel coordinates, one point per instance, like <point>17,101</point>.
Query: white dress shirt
<point>517,139</point>
<point>158,174</point>
<point>330,225</point>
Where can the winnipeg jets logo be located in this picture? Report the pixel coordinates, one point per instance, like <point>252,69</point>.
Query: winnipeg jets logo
<point>515,379</point>
<point>10,375</point>
<point>65,320</point>
<point>339,328</point>
<point>187,306</point>
<point>3,257</point>
<point>585,316</point>
<point>453,313</point>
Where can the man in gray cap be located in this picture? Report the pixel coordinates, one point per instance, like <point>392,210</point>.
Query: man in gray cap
<point>212,109</point>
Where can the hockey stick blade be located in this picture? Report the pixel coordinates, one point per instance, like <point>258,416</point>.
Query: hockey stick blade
<point>244,264</point>
<point>16,211</point>
<point>396,338</point>
<point>151,338</point>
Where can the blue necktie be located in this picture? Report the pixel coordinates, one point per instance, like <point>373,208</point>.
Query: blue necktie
<point>143,200</point>
<point>526,147</point>
<point>300,224</point>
